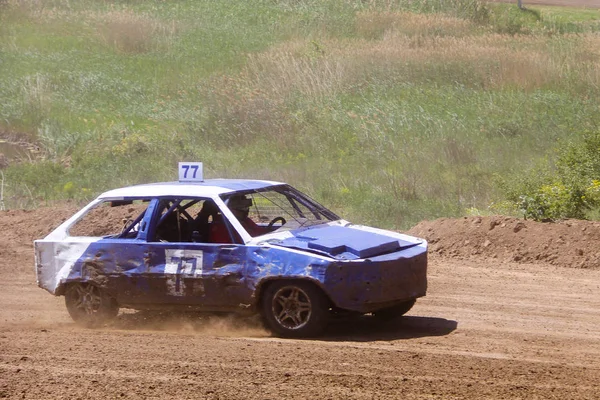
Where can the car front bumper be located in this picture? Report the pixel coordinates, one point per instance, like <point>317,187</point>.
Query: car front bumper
<point>379,282</point>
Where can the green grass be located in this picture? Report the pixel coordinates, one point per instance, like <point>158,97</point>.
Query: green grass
<point>390,112</point>
<point>568,14</point>
<point>507,18</point>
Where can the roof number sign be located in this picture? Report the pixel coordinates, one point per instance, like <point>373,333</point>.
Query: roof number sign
<point>190,172</point>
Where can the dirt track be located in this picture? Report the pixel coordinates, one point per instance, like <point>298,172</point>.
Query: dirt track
<point>490,327</point>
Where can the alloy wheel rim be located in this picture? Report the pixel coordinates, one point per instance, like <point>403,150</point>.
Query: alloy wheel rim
<point>291,307</point>
<point>87,299</point>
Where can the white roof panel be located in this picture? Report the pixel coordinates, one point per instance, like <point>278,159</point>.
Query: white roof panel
<point>207,188</point>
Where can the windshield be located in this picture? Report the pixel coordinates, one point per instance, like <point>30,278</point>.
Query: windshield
<point>278,208</point>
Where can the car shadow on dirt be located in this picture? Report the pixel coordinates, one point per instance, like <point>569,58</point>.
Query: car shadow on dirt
<point>362,328</point>
<point>367,328</point>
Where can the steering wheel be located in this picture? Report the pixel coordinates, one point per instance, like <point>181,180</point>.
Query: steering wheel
<point>274,220</point>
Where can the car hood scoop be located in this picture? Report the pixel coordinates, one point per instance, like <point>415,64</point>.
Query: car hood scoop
<point>344,242</point>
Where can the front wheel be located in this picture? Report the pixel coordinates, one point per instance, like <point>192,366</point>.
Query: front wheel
<point>295,309</point>
<point>89,306</point>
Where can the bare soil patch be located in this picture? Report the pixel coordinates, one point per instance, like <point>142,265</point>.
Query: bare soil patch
<point>16,147</point>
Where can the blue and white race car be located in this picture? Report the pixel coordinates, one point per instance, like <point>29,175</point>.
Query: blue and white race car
<point>228,245</point>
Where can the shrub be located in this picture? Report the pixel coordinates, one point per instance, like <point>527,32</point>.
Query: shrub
<point>576,190</point>
<point>552,202</point>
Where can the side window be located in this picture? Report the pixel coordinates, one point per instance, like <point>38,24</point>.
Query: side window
<point>270,205</point>
<point>262,212</point>
<point>184,220</point>
<point>111,219</point>
<point>281,207</point>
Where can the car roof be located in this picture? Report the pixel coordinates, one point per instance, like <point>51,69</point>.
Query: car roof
<point>206,188</point>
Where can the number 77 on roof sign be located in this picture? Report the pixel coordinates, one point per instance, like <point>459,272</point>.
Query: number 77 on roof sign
<point>190,172</point>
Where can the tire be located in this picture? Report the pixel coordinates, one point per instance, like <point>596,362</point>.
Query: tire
<point>89,305</point>
<point>294,309</point>
<point>391,313</point>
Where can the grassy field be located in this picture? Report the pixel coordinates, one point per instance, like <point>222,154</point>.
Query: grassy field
<point>389,111</point>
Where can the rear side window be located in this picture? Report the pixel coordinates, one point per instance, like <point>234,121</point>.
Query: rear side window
<point>110,219</point>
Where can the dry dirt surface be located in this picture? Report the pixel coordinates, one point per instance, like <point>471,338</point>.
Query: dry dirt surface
<point>512,312</point>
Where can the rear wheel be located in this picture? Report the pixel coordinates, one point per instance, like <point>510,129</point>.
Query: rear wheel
<point>391,313</point>
<point>295,309</point>
<point>89,305</point>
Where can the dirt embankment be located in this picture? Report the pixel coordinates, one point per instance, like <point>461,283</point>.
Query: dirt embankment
<point>21,227</point>
<point>571,243</point>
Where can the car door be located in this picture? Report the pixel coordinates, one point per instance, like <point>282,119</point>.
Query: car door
<point>186,269</point>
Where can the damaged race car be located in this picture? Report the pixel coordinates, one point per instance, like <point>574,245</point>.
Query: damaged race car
<point>228,245</point>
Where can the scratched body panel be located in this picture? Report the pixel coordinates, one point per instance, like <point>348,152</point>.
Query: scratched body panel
<point>226,276</point>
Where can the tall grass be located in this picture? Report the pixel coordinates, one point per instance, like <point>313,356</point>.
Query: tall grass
<point>390,111</point>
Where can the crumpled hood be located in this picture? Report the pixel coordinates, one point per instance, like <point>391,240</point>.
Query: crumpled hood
<point>344,242</point>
